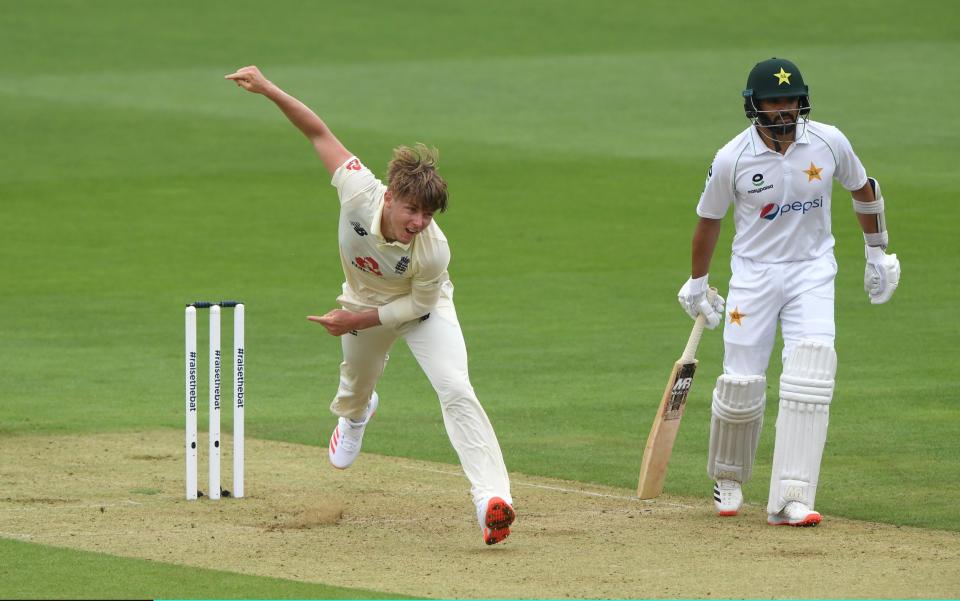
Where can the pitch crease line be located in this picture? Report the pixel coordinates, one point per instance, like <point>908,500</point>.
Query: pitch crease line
<point>558,488</point>
<point>36,506</point>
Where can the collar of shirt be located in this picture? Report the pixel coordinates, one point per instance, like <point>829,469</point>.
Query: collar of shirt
<point>375,229</point>
<point>759,147</point>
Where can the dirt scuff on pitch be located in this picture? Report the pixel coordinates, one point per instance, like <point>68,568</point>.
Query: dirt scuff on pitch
<point>408,527</point>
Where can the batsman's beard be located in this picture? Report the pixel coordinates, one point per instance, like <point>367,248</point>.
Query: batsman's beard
<point>778,128</point>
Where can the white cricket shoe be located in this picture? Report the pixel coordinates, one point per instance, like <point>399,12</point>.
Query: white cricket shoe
<point>348,435</point>
<point>727,497</point>
<point>794,513</point>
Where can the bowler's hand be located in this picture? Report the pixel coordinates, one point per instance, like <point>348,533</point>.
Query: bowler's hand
<point>337,322</point>
<point>250,79</point>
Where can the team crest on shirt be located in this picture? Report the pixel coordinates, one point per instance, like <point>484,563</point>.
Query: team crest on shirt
<point>813,173</point>
<point>368,264</point>
<point>402,265</point>
<point>737,317</point>
<point>354,165</point>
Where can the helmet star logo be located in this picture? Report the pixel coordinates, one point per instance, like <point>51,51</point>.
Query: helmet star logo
<point>737,317</point>
<point>813,172</point>
<point>782,77</point>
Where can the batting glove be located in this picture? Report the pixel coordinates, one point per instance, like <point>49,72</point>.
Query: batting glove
<point>881,275</point>
<point>694,299</point>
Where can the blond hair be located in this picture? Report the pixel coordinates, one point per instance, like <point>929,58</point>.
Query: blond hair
<point>412,176</point>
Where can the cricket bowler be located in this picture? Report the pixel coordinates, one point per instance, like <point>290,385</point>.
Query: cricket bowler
<point>394,259</point>
<point>778,175</point>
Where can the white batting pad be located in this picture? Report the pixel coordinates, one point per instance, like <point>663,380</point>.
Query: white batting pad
<point>737,416</point>
<point>806,389</point>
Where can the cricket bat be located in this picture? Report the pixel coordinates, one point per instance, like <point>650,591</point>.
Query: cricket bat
<point>656,455</point>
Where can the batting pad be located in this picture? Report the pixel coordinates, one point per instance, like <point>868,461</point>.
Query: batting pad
<point>806,389</point>
<point>737,416</point>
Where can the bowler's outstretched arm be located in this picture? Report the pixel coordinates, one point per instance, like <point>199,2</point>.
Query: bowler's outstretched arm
<point>328,147</point>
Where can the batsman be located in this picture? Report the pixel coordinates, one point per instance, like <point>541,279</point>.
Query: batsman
<point>778,175</point>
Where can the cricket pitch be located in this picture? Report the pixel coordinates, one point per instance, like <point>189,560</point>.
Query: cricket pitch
<point>409,527</point>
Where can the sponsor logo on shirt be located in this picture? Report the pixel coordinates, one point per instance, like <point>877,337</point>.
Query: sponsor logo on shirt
<point>773,210</point>
<point>402,265</point>
<point>358,228</point>
<point>368,264</point>
<point>758,184</point>
<point>354,165</point>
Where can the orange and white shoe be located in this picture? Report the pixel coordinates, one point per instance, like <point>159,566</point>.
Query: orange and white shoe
<point>348,436</point>
<point>727,497</point>
<point>794,513</point>
<point>496,520</point>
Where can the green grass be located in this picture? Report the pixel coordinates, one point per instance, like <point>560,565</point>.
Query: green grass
<point>575,138</point>
<point>31,571</point>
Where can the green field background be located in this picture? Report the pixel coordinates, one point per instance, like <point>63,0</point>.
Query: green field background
<point>575,138</point>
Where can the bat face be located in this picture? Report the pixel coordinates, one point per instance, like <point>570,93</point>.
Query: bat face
<point>656,455</point>
<point>663,433</point>
<point>673,408</point>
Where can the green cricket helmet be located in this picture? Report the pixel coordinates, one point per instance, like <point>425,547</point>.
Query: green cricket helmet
<point>775,78</point>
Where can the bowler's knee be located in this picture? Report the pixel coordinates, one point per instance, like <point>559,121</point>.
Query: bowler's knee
<point>455,392</point>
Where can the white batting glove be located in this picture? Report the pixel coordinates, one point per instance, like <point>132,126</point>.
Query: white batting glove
<point>693,299</point>
<point>881,276</point>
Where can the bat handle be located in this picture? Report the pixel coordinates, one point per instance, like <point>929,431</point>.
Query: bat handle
<point>690,351</point>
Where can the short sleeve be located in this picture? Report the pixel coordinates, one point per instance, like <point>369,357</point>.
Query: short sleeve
<point>718,191</point>
<point>353,178</point>
<point>849,172</point>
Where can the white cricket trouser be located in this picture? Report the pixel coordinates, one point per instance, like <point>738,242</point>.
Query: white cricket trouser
<point>798,294</point>
<point>438,345</point>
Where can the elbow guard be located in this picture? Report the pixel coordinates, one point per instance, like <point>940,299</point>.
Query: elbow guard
<point>881,238</point>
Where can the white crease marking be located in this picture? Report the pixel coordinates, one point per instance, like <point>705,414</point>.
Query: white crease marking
<point>559,489</point>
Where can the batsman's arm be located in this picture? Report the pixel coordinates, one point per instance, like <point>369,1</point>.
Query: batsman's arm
<point>705,238</point>
<point>328,147</point>
<point>867,221</point>
<point>882,273</point>
<point>866,199</point>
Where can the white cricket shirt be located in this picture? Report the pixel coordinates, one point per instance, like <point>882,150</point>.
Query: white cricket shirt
<point>401,281</point>
<point>781,202</point>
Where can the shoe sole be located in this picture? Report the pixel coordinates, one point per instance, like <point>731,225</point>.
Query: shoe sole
<point>728,514</point>
<point>492,537</point>
<point>807,522</point>
<point>500,515</point>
